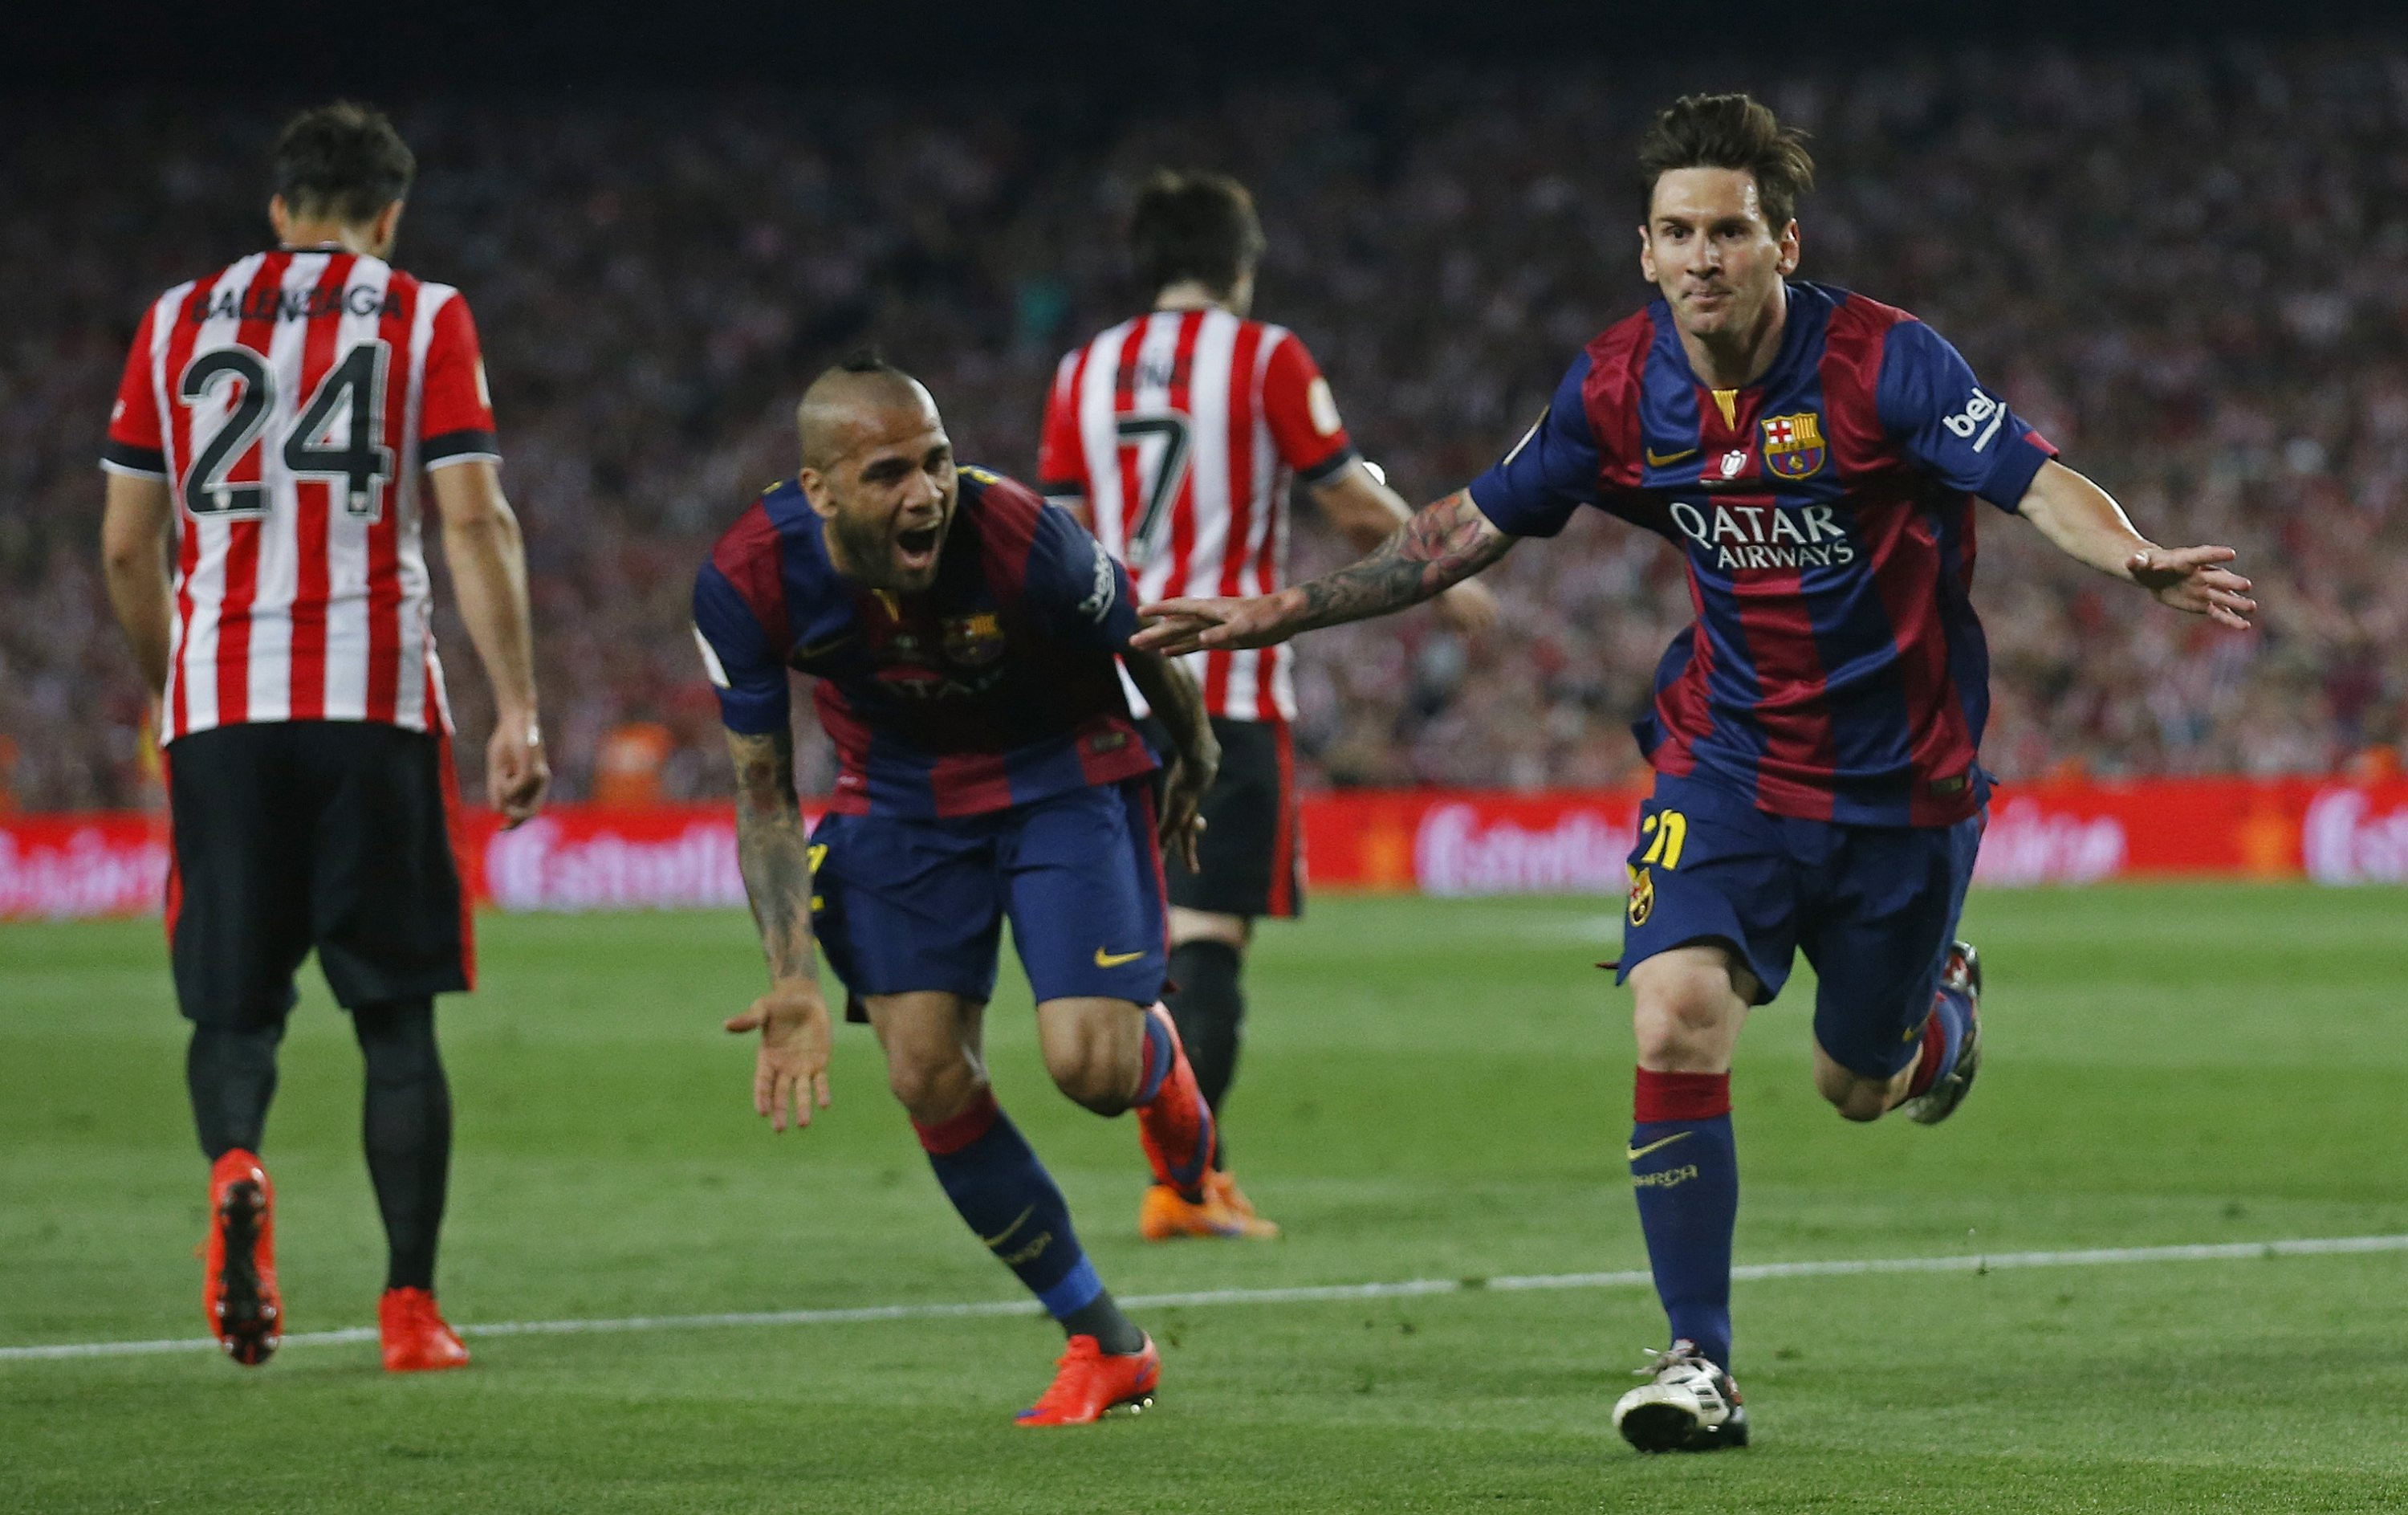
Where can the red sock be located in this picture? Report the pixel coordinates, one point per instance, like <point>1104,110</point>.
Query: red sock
<point>1680,1096</point>
<point>1174,1125</point>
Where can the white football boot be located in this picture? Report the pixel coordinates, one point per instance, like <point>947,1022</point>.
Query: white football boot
<point>1688,1404</point>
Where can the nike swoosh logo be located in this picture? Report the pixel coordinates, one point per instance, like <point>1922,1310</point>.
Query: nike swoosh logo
<point>1665,460</point>
<point>1638,1152</point>
<point>1114,959</point>
<point>998,1239</point>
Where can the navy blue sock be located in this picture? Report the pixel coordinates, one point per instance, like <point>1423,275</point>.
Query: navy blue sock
<point>994,1180</point>
<point>1943,1038</point>
<point>1685,1172</point>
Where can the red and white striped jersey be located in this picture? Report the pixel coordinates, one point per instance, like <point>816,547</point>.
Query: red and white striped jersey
<point>1184,430</point>
<point>292,402</point>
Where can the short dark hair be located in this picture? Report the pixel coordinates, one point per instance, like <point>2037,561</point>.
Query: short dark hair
<point>1199,226</point>
<point>343,160</point>
<point>866,360</point>
<point>1730,130</point>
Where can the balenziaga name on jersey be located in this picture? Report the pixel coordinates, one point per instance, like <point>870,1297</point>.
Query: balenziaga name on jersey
<point>282,304</point>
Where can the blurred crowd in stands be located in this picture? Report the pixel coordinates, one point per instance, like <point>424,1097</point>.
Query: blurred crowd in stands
<point>2189,267</point>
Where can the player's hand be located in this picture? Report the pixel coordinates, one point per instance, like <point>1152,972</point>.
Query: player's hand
<point>1182,798</point>
<point>790,1075</point>
<point>1468,608</point>
<point>516,771</point>
<point>2194,579</point>
<point>1175,628</point>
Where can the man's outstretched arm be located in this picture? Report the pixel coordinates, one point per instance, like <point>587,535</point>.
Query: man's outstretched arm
<point>2084,522</point>
<point>1443,544</point>
<point>773,853</point>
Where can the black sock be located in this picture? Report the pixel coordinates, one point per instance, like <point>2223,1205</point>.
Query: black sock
<point>231,1074</point>
<point>1210,1009</point>
<point>1101,1319</point>
<point>407,1126</point>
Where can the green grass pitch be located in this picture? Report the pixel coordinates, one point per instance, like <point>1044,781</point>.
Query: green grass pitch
<point>1431,1089</point>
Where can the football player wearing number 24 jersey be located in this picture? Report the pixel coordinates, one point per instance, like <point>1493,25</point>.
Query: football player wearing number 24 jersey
<point>1815,733</point>
<point>282,424</point>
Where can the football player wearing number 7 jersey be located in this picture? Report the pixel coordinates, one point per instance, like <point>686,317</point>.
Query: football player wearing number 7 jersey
<point>1816,456</point>
<point>1177,437</point>
<point>278,427</point>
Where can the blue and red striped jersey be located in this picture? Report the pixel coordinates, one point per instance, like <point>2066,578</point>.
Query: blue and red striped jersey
<point>994,688</point>
<point>1836,669</point>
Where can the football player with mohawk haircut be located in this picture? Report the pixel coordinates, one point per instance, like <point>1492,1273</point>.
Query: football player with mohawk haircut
<point>963,634</point>
<point>1815,732</point>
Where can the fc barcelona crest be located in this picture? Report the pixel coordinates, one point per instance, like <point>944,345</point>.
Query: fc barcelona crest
<point>975,640</point>
<point>1793,444</point>
<point>1643,896</point>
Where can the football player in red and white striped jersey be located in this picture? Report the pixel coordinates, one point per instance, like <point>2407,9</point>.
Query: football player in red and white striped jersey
<point>279,425</point>
<point>1178,436</point>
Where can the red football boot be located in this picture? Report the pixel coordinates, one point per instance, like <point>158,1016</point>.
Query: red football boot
<point>415,1338</point>
<point>1176,1125</point>
<point>239,1284</point>
<point>1090,1384</point>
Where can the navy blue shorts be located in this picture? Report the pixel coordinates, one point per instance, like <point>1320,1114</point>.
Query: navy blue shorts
<point>904,904</point>
<point>1875,907</point>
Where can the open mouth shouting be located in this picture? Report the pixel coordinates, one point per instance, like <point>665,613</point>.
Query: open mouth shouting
<point>916,547</point>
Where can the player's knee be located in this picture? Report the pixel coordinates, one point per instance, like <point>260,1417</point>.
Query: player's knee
<point>1683,1022</point>
<point>1090,1071</point>
<point>932,1086</point>
<point>1861,1102</point>
<point>1856,1098</point>
<point>1690,1004</point>
<point>1095,1049</point>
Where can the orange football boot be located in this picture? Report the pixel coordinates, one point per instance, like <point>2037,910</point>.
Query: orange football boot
<point>238,1290</point>
<point>1175,1127</point>
<point>415,1338</point>
<point>1224,1212</point>
<point>1090,1384</point>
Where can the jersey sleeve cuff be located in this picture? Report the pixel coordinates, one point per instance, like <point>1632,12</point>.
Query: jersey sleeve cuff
<point>750,712</point>
<point>458,447</point>
<point>2012,475</point>
<point>134,462</point>
<point>1330,466</point>
<point>1504,518</point>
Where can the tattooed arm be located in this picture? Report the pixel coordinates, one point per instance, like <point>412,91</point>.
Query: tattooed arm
<point>1442,544</point>
<point>774,855</point>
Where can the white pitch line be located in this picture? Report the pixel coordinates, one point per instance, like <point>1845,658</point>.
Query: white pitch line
<point>1305,1293</point>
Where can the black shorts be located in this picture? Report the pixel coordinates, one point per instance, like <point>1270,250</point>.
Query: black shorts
<point>1252,851</point>
<point>294,835</point>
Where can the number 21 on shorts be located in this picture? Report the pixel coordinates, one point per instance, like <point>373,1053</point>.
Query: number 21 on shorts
<point>1668,832</point>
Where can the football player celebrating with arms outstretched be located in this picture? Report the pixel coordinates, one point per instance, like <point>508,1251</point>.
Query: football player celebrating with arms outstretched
<point>963,634</point>
<point>1816,456</point>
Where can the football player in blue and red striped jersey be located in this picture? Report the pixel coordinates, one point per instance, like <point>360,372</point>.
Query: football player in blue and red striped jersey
<point>1816,732</point>
<point>964,636</point>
